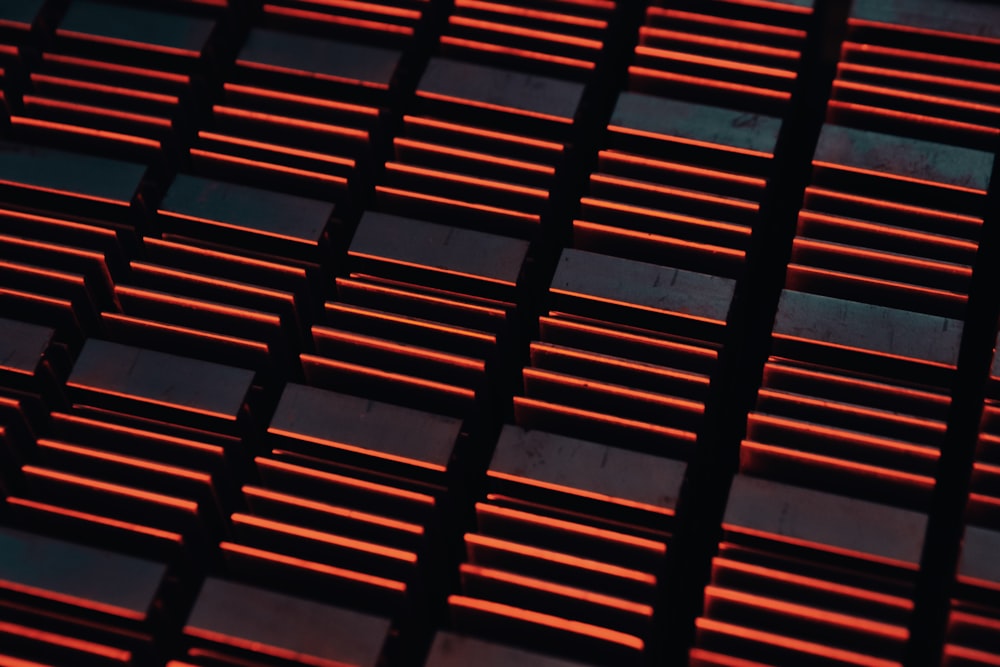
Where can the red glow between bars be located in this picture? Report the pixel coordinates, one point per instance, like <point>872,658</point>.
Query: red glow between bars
<point>211,281</point>
<point>666,190</point>
<point>605,360</point>
<point>322,536</point>
<point>518,31</point>
<point>266,166</point>
<point>198,304</point>
<point>810,582</point>
<point>883,256</point>
<point>728,227</point>
<point>921,77</point>
<point>334,510</point>
<point>401,293</point>
<point>899,27</point>
<point>149,531</point>
<point>251,646</point>
<point>708,61</point>
<point>286,121</point>
<point>101,88</point>
<point>792,644</point>
<point>890,231</point>
<point>671,433</point>
<point>689,142</point>
<point>571,527</point>
<point>108,487</point>
<point>400,348</point>
<point>917,97</point>
<point>276,148</point>
<point>35,100</point>
<point>934,58</point>
<point>716,42</point>
<point>703,82</point>
<point>62,598</point>
<point>662,400</point>
<point>880,203</point>
<point>747,26</point>
<point>61,276</point>
<point>896,177</point>
<point>803,270</point>
<point>35,634</point>
<point>887,415</point>
<point>636,306</point>
<point>941,400</point>
<point>86,132</point>
<point>483,208</point>
<point>151,401</point>
<point>115,67</point>
<point>174,471</point>
<point>576,594</point>
<point>341,480</point>
<point>138,433</point>
<point>300,99</point>
<point>129,43</point>
<point>493,107</point>
<point>692,350</point>
<point>525,12</point>
<point>427,324</point>
<point>312,566</point>
<point>371,8</point>
<point>362,24</point>
<point>475,156</point>
<point>421,383</point>
<point>699,656</point>
<point>829,618</point>
<point>784,7</point>
<point>913,117</point>
<point>535,193</point>
<point>516,52</point>
<point>662,165</point>
<point>291,271</point>
<point>311,75</point>
<point>972,656</point>
<point>431,268</point>
<point>358,450</point>
<point>481,132</point>
<point>554,622</point>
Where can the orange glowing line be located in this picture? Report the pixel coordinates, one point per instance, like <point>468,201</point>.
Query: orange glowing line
<point>281,559</point>
<point>971,656</point>
<point>150,401</point>
<point>86,132</point>
<point>428,385</point>
<point>63,598</point>
<point>310,74</point>
<point>64,304</point>
<point>662,165</point>
<point>139,494</point>
<point>647,237</point>
<point>934,58</point>
<point>94,518</point>
<point>285,121</point>
<point>606,360</point>
<point>529,217</point>
<point>964,618</point>
<point>719,63</point>
<point>880,282</point>
<point>97,111</point>
<point>255,647</point>
<point>61,276</point>
<point>830,378</point>
<point>674,192</point>
<point>451,99</point>
<point>890,231</point>
<point>928,424</point>
<point>372,287</point>
<point>662,400</point>
<point>553,17</point>
<point>339,20</point>
<point>576,594</point>
<point>426,267</point>
<point>919,97</point>
<point>365,312</point>
<point>880,203</point>
<point>115,67</point>
<point>690,350</point>
<point>896,177</point>
<point>778,6</point>
<point>227,257</point>
<point>665,215</point>
<point>747,26</point>
<point>828,618</point>
<point>189,302</point>
<point>103,455</point>
<point>898,27</point>
<point>321,536</point>
<point>155,269</point>
<point>515,52</point>
<point>46,246</point>
<point>636,306</point>
<point>137,433</point>
<point>809,582</point>
<point>555,622</point>
<point>354,448</point>
<point>921,76</point>
<point>475,156</point>
<point>884,256</point>
<point>689,142</point>
<point>356,515</point>
<point>673,433</point>
<point>400,348</point>
<point>128,43</point>
<point>697,656</point>
<point>716,42</point>
<point>790,643</point>
<point>300,99</point>
<point>480,132</point>
<point>913,117</point>
<point>572,527</point>
<point>844,434</point>
<point>573,491</point>
<point>267,166</point>
<point>728,86</point>
<point>276,148</point>
<point>101,88</point>
<point>490,184</point>
<point>36,635</point>
<point>833,463</point>
<point>230,225</point>
<point>528,33</point>
<point>341,480</point>
<point>370,8</point>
